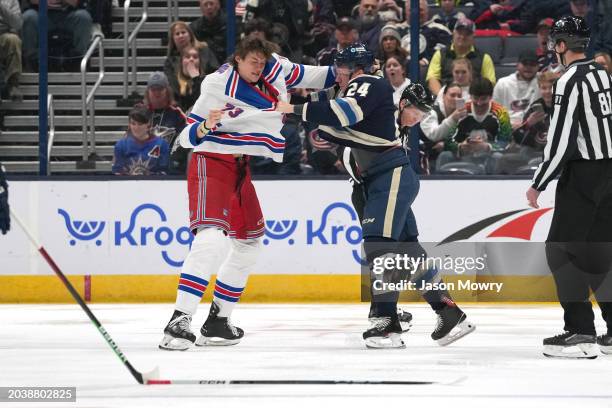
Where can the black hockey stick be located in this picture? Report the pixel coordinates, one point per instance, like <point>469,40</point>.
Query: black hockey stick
<point>152,377</point>
<point>142,378</point>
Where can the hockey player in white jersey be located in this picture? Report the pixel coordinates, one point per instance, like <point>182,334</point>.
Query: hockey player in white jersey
<point>233,118</point>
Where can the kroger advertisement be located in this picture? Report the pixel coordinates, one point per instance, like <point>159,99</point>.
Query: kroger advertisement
<point>140,227</point>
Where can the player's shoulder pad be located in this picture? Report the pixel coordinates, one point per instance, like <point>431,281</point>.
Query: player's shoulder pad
<point>377,83</point>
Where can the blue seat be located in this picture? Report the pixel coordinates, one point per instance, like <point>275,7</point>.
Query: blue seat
<point>513,46</point>
<point>491,45</point>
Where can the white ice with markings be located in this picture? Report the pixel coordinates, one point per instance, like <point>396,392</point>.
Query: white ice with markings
<point>500,364</point>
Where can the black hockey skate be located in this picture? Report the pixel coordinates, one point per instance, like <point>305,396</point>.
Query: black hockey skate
<point>178,334</point>
<point>571,345</point>
<point>384,332</point>
<point>452,325</point>
<point>605,343</point>
<point>218,331</point>
<point>405,318</point>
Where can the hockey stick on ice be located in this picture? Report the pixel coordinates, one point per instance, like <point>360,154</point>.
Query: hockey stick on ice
<point>142,378</point>
<point>152,377</point>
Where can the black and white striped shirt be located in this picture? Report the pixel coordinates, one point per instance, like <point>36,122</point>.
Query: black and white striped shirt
<point>581,124</point>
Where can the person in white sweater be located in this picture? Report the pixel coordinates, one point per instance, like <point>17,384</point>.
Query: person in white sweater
<point>440,124</point>
<point>518,90</point>
<point>395,72</point>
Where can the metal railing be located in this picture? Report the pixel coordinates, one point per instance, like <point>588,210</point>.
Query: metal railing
<point>172,12</point>
<point>129,41</point>
<point>51,139</point>
<point>87,101</point>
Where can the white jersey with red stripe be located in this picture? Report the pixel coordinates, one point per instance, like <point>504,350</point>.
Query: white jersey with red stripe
<point>250,124</point>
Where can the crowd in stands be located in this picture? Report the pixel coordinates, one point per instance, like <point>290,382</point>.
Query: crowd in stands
<point>487,119</point>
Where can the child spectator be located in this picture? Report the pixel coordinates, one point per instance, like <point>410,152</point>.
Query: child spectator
<point>140,152</point>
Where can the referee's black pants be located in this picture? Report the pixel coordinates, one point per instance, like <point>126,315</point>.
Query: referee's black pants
<point>579,244</point>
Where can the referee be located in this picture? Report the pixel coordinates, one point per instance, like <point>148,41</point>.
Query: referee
<point>580,148</point>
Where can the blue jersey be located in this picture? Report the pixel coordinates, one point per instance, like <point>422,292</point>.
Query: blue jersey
<point>133,157</point>
<point>363,116</point>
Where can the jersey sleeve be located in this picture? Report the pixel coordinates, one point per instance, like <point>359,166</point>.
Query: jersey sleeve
<point>562,133</point>
<point>360,98</point>
<point>306,76</point>
<point>188,136</point>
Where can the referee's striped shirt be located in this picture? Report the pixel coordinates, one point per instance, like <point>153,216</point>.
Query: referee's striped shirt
<point>581,124</point>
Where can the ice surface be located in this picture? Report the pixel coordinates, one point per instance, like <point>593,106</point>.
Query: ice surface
<point>498,365</point>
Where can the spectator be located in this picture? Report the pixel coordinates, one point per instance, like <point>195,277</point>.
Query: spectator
<point>140,152</point>
<point>260,28</point>
<point>518,90</point>
<point>440,124</point>
<point>211,27</point>
<point>345,34</point>
<point>370,24</point>
<point>603,59</point>
<point>531,135</point>
<point>395,72</point>
<point>485,128</point>
<point>180,37</point>
<point>602,27</point>
<point>167,119</point>
<point>534,11</point>
<point>63,15</point>
<point>390,44</point>
<point>547,59</point>
<point>389,11</point>
<point>496,15</point>
<point>288,19</point>
<point>432,36</point>
<point>10,48</point>
<point>448,15</point>
<point>462,47</point>
<point>189,78</point>
<point>462,75</point>
<point>101,12</point>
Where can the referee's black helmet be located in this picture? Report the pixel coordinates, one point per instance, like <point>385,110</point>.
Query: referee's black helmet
<point>572,30</point>
<point>416,95</point>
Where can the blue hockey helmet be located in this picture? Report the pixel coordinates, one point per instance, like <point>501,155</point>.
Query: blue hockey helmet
<point>355,56</point>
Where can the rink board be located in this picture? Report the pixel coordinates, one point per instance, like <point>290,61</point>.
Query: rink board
<point>125,240</point>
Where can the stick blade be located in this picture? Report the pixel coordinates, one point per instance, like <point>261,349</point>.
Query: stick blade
<point>151,376</point>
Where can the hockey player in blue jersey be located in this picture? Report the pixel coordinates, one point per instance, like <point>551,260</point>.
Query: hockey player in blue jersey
<point>363,118</point>
<point>140,152</point>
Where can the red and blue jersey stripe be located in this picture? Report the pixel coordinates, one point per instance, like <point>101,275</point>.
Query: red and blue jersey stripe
<point>227,292</point>
<point>192,284</point>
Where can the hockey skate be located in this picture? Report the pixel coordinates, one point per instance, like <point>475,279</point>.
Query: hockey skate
<point>452,325</point>
<point>405,318</point>
<point>605,343</point>
<point>218,331</point>
<point>571,345</point>
<point>177,334</point>
<point>384,332</point>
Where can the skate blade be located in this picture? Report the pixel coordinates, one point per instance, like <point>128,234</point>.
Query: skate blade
<point>174,344</point>
<point>392,341</point>
<point>215,341</point>
<point>459,331</point>
<point>606,349</point>
<point>578,351</point>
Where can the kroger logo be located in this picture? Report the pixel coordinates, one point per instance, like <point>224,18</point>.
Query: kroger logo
<point>139,231</point>
<point>133,234</point>
<point>319,231</point>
